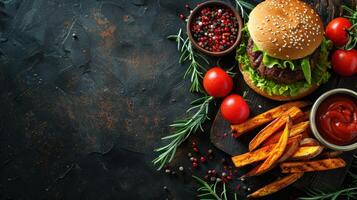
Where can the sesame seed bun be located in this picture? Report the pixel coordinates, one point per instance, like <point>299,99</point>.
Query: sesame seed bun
<point>285,29</point>
<point>302,93</point>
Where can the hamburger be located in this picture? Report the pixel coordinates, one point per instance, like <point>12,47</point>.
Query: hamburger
<point>283,54</point>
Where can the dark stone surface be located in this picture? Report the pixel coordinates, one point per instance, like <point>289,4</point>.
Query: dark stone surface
<point>87,88</point>
<point>81,116</point>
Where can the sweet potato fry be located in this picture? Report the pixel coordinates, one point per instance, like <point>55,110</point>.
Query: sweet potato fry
<point>306,153</point>
<point>265,117</point>
<point>262,153</point>
<point>331,154</point>
<point>303,118</point>
<point>252,157</point>
<point>309,142</point>
<point>310,166</point>
<point>275,154</point>
<point>290,150</point>
<point>276,185</point>
<point>306,133</point>
<point>269,130</point>
<point>295,130</point>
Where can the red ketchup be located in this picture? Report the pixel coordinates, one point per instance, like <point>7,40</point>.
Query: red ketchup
<point>337,119</point>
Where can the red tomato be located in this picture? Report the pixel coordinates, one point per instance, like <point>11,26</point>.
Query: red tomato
<point>344,62</point>
<point>217,82</point>
<point>234,109</point>
<point>336,31</point>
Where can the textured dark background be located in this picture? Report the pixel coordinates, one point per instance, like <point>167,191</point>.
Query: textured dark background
<point>79,118</point>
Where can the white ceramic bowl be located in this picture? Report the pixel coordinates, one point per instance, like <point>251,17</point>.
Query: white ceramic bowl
<point>314,129</point>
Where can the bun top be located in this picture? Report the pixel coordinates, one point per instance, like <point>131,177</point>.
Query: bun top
<point>285,29</point>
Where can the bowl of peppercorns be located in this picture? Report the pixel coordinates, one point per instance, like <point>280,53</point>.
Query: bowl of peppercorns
<point>214,28</point>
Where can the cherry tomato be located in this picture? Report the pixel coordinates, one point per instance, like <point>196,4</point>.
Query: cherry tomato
<point>344,62</point>
<point>336,31</point>
<point>217,82</point>
<point>234,109</point>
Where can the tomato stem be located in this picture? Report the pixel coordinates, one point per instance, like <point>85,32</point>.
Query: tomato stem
<point>352,42</point>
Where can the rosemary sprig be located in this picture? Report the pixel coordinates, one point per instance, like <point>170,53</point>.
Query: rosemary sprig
<point>241,5</point>
<point>195,69</point>
<point>347,193</point>
<point>183,129</point>
<point>209,191</point>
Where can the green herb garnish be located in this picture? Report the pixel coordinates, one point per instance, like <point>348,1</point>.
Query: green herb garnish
<point>209,191</point>
<point>195,69</point>
<point>352,32</point>
<point>183,129</point>
<point>241,5</point>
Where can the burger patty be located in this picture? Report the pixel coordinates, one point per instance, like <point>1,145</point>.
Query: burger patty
<point>278,75</point>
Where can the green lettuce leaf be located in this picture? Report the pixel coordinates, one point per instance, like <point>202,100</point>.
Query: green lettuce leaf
<point>270,62</point>
<point>318,76</point>
<point>306,69</point>
<point>283,64</point>
<point>255,48</point>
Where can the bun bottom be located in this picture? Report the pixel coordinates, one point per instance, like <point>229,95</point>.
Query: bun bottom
<point>302,93</point>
